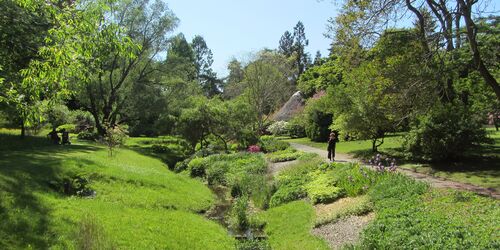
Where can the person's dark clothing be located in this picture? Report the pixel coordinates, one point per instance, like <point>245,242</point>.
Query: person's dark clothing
<point>54,137</point>
<point>332,142</point>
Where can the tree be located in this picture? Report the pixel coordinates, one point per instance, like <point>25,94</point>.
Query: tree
<point>203,62</point>
<point>264,85</point>
<point>317,59</point>
<point>106,93</point>
<point>180,62</point>
<point>360,22</point>
<point>299,44</point>
<point>286,46</point>
<point>232,85</point>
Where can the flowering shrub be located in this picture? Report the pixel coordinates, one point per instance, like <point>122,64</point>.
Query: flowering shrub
<point>382,164</point>
<point>278,128</point>
<point>254,149</point>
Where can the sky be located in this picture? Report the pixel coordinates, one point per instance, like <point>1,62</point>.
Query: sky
<point>237,28</point>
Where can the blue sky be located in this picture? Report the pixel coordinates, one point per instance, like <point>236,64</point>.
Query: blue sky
<point>236,28</point>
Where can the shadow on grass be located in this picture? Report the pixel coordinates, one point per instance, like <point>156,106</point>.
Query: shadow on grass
<point>26,168</point>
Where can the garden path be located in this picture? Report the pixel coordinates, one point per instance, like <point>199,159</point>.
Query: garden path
<point>433,181</point>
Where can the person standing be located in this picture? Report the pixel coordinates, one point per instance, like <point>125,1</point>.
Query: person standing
<point>332,142</point>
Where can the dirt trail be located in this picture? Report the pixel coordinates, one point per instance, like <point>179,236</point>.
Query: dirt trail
<point>344,231</point>
<point>433,181</point>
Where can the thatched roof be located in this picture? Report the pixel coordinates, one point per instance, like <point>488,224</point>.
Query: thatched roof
<point>293,106</point>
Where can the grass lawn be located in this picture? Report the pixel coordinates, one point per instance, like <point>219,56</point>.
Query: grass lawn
<point>481,167</point>
<point>139,203</point>
<point>288,227</point>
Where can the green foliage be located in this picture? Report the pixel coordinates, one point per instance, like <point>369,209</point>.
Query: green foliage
<point>238,218</point>
<point>291,183</point>
<point>288,154</point>
<point>353,178</point>
<point>70,128</point>
<point>319,78</point>
<point>447,131</point>
<point>271,144</point>
<point>322,188</point>
<point>408,217</point>
<point>318,118</point>
<point>88,135</point>
<point>289,226</point>
<point>242,173</point>
<point>253,245</point>
<point>114,137</point>
<point>170,149</point>
<point>59,115</point>
<point>296,129</point>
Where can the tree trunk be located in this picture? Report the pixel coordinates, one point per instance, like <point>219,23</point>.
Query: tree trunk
<point>471,35</point>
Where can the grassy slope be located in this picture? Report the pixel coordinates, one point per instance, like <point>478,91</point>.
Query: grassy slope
<point>288,227</point>
<point>481,169</point>
<point>139,203</point>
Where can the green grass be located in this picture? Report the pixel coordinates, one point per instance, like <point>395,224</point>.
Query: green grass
<point>342,208</point>
<point>139,202</point>
<point>288,227</point>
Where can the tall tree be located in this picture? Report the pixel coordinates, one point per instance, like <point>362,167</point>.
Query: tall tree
<point>363,21</point>
<point>299,44</point>
<point>286,46</point>
<point>146,25</point>
<point>317,59</point>
<point>203,61</point>
<point>22,33</point>
<point>180,62</point>
<point>233,86</point>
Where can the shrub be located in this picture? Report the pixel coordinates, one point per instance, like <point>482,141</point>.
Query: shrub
<point>253,245</point>
<point>171,149</point>
<point>284,155</point>
<point>296,130</point>
<point>196,167</point>
<point>238,218</point>
<point>291,182</point>
<point>254,149</point>
<point>58,115</point>
<point>70,128</point>
<point>353,179</point>
<point>321,189</point>
<point>444,133</point>
<point>270,144</point>
<point>88,135</point>
<point>84,121</point>
<point>114,137</point>
<point>318,119</point>
<point>278,128</point>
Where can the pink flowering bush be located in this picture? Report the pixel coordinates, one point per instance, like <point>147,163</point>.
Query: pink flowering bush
<point>253,149</point>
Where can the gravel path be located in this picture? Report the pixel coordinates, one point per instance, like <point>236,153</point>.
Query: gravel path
<point>344,231</point>
<point>433,181</point>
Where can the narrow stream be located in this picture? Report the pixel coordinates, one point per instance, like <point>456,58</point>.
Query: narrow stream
<point>220,212</point>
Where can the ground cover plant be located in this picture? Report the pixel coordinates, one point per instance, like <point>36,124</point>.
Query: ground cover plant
<point>138,202</point>
<point>478,166</point>
<point>409,214</point>
<point>288,154</point>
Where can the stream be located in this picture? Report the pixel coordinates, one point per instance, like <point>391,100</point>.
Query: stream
<point>220,211</point>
